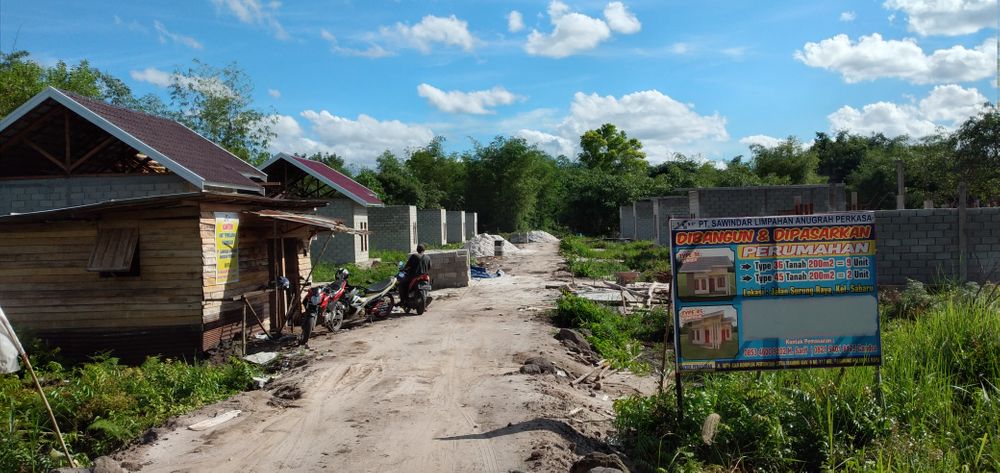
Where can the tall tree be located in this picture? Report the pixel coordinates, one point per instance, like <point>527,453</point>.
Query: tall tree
<point>977,153</point>
<point>611,150</point>
<point>218,104</point>
<point>442,176</point>
<point>398,184</point>
<point>786,163</point>
<point>504,181</point>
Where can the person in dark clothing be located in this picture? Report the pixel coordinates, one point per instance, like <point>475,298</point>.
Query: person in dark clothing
<point>418,264</point>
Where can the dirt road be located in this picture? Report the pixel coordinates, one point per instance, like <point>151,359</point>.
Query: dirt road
<point>430,393</point>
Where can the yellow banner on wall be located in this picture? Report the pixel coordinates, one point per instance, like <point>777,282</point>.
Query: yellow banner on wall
<point>227,267</point>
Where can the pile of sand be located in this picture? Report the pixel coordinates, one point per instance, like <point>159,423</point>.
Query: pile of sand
<point>482,245</point>
<point>534,236</point>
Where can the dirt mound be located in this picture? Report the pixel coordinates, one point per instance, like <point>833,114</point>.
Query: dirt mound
<point>483,245</point>
<point>534,236</point>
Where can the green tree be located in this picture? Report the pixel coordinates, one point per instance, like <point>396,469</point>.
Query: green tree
<point>505,180</point>
<point>611,150</point>
<point>21,78</point>
<point>218,104</point>
<point>369,179</point>
<point>400,187</point>
<point>441,176</point>
<point>786,163</point>
<point>976,146</point>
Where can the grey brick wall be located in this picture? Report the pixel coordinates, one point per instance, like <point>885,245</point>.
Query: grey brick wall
<point>922,244</point>
<point>984,244</point>
<point>449,268</point>
<point>471,225</point>
<point>343,248</point>
<point>456,226</point>
<point>33,195</point>
<point>766,200</point>
<point>645,220</point>
<point>667,208</point>
<point>393,227</point>
<point>432,226</point>
<point>626,221</point>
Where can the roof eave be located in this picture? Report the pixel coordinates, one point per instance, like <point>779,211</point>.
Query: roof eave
<point>291,159</point>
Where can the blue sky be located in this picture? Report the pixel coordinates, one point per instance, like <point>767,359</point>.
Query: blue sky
<point>701,78</point>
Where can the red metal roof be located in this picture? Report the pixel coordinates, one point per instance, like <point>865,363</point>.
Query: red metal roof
<point>179,143</point>
<point>342,183</point>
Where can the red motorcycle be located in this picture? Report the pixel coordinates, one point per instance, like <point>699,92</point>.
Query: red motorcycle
<point>322,305</point>
<point>416,296</point>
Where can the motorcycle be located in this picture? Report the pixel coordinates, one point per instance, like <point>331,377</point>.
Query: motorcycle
<point>417,293</point>
<point>322,305</point>
<point>365,304</point>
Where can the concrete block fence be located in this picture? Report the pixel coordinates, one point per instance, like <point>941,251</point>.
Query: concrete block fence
<point>393,227</point>
<point>455,220</point>
<point>33,195</point>
<point>432,226</point>
<point>471,225</point>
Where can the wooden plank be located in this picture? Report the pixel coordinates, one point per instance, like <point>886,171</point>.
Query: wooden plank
<point>44,153</point>
<point>58,307</point>
<point>40,324</point>
<point>21,134</point>
<point>95,284</point>
<point>89,154</point>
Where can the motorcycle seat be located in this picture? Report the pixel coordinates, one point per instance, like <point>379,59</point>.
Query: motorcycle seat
<point>379,287</point>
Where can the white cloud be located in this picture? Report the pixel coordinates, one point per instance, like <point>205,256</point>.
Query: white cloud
<point>680,48</point>
<point>515,21</point>
<point>374,51</point>
<point>946,17</point>
<point>573,32</point>
<point>177,38</point>
<point>253,12</point>
<point>274,93</point>
<point>664,125</point>
<point>449,31</point>
<point>131,25</point>
<point>874,58</point>
<point>620,20</point>
<point>359,141</point>
<point>944,108</point>
<point>763,140</point>
<point>848,16</point>
<point>477,102</point>
<point>735,52</point>
<point>552,144</point>
<point>160,78</point>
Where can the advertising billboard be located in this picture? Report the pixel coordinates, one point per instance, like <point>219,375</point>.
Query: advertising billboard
<point>794,291</point>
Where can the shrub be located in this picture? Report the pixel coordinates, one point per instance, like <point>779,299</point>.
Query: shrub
<point>940,409</point>
<point>616,337</point>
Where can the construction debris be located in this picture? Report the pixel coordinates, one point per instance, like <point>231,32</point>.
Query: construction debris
<point>261,358</point>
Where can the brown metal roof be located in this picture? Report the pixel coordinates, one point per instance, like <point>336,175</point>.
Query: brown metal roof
<point>179,143</point>
<point>161,201</point>
<point>705,263</point>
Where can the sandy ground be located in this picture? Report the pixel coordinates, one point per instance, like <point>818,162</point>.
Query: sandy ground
<point>429,393</point>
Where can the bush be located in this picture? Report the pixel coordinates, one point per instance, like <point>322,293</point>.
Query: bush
<point>940,410</point>
<point>600,259</point>
<point>101,406</point>
<point>616,337</point>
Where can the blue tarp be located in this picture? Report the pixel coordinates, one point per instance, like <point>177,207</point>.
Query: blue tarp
<point>479,272</point>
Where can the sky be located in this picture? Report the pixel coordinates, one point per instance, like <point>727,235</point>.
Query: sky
<point>705,79</point>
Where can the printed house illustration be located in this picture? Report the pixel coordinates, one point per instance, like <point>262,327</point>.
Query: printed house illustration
<point>708,276</point>
<point>711,331</point>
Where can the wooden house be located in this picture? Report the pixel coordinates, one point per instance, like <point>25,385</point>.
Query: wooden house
<point>163,235</point>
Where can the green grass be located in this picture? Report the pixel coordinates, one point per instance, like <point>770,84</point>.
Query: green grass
<point>601,259</point>
<point>939,411</point>
<point>359,276</point>
<point>101,406</point>
<point>618,338</point>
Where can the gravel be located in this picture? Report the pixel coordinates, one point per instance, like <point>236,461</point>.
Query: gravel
<point>534,236</point>
<point>482,245</point>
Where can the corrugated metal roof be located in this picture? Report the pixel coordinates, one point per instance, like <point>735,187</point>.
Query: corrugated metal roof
<point>705,263</point>
<point>331,177</point>
<point>336,226</point>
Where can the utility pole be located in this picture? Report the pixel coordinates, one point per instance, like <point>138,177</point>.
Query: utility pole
<point>901,186</point>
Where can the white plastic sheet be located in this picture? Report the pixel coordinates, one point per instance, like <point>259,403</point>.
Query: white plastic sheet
<point>10,347</point>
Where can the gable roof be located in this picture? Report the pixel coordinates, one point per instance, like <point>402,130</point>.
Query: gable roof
<point>705,263</point>
<point>331,177</point>
<point>175,146</point>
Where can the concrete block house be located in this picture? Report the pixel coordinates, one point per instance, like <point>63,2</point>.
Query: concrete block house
<point>711,331</point>
<point>471,225</point>
<point>432,226</point>
<point>456,226</point>
<point>393,227</point>
<point>706,274</point>
<point>142,237</point>
<point>347,202</point>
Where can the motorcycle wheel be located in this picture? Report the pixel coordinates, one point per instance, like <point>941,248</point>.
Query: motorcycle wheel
<point>421,302</point>
<point>386,305</point>
<point>336,319</point>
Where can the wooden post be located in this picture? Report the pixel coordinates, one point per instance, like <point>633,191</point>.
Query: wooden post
<point>963,241</point>
<point>900,186</point>
<point>243,330</point>
<point>66,123</point>
<point>854,200</point>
